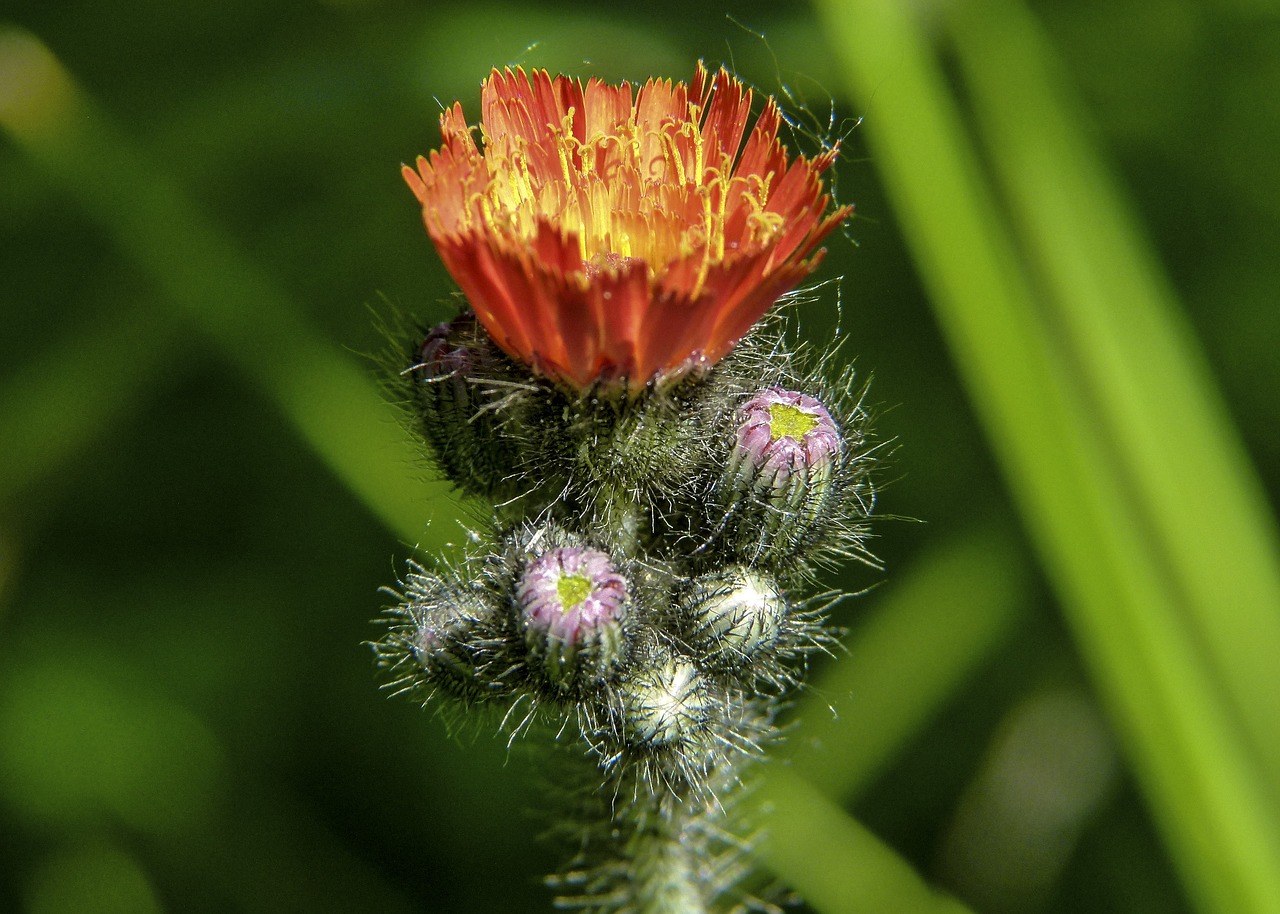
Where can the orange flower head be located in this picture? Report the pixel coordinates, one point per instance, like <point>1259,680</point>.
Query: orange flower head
<point>611,237</point>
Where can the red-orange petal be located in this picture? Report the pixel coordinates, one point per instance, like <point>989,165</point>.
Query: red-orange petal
<point>610,237</point>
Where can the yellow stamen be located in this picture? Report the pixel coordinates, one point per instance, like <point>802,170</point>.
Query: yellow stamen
<point>674,158</point>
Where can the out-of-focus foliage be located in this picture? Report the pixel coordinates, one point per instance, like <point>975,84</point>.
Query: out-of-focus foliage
<point>200,490</point>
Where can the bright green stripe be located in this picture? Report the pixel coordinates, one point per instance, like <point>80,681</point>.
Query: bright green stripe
<point>1201,507</point>
<point>934,624</point>
<point>834,862</point>
<point>332,402</point>
<point>1096,545</point>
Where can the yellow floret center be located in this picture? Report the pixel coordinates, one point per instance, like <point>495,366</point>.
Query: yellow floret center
<point>786,420</point>
<point>572,589</point>
<point>635,192</point>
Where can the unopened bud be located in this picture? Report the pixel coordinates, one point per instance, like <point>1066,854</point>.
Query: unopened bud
<point>571,601</point>
<point>732,615</point>
<point>666,703</point>
<point>448,647</point>
<point>784,456</point>
<point>451,376</point>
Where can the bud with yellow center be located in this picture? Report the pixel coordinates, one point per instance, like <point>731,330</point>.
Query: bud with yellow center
<point>570,603</point>
<point>785,453</point>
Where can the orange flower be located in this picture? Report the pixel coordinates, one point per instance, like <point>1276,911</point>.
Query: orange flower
<point>602,237</point>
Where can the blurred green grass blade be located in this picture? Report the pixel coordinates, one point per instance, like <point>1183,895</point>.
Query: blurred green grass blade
<point>1169,436</point>
<point>933,625</point>
<point>1195,762</point>
<point>834,862</point>
<point>334,404</point>
<point>71,395</point>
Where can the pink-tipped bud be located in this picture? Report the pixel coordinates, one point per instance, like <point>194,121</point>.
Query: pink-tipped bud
<point>732,615</point>
<point>784,455</point>
<point>784,436</point>
<point>571,601</point>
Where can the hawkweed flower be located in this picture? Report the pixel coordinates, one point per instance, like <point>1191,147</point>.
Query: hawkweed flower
<point>605,234</point>
<point>659,493</point>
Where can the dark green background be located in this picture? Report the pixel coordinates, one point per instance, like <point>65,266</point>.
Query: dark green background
<point>188,718</point>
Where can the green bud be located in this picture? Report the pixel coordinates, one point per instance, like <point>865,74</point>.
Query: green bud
<point>731,616</point>
<point>444,638</point>
<point>666,702</point>
<point>457,390</point>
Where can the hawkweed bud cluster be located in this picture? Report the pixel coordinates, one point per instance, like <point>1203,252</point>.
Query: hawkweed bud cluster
<point>663,474</point>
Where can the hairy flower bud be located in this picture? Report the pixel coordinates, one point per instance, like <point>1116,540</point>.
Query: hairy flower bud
<point>455,394</point>
<point>445,638</point>
<point>731,615</point>
<point>785,452</point>
<point>442,649</point>
<point>666,702</point>
<point>571,601</point>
